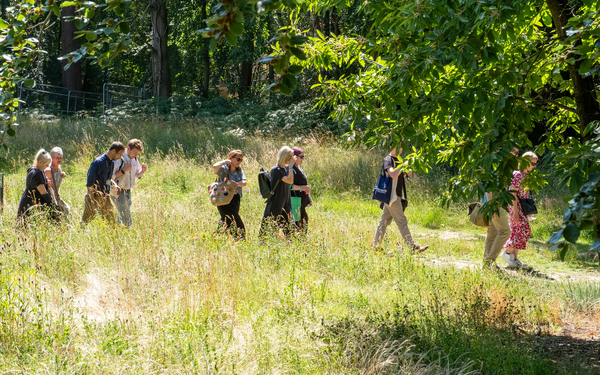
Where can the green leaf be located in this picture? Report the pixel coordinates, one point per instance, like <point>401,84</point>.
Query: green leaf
<point>11,132</point>
<point>289,81</point>
<point>556,237</point>
<point>294,69</point>
<point>298,39</point>
<point>285,90</point>
<point>298,53</point>
<point>563,252</point>
<point>113,5</point>
<point>231,38</point>
<point>3,25</point>
<point>68,4</point>
<point>91,36</point>
<point>595,245</point>
<point>236,27</point>
<point>585,66</point>
<point>29,83</point>
<point>56,10</point>
<point>571,232</point>
<point>124,26</point>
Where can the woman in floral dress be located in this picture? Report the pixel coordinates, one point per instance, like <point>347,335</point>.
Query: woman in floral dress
<point>519,225</point>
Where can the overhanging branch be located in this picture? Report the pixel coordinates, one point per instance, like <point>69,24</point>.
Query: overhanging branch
<point>549,102</point>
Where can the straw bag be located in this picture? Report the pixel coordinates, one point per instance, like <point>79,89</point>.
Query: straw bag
<point>221,193</point>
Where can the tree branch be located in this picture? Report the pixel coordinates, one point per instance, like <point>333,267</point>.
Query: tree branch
<point>549,102</point>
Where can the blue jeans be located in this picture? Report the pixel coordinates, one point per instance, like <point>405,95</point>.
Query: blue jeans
<point>123,204</point>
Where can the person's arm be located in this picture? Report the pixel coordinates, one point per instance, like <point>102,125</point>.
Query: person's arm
<point>119,172</point>
<point>217,166</point>
<point>488,197</point>
<point>241,183</point>
<point>394,173</point>
<point>42,189</point>
<point>289,179</point>
<point>48,175</point>
<point>142,170</point>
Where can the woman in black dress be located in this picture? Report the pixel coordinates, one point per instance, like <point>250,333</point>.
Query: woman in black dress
<point>301,188</point>
<point>36,192</point>
<point>279,206</point>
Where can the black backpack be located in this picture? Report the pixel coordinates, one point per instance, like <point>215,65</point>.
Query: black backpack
<point>264,184</point>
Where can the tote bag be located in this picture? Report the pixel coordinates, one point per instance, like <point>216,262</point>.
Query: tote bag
<point>296,204</point>
<point>383,188</point>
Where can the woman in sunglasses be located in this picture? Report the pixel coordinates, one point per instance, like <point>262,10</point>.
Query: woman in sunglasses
<point>231,168</point>
<point>519,225</point>
<point>301,188</point>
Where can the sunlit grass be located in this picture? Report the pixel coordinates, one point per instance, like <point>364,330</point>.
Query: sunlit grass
<point>173,296</point>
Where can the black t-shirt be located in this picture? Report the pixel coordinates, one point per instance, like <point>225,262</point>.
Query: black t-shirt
<point>279,204</point>
<point>31,195</point>
<point>393,162</point>
<point>301,179</point>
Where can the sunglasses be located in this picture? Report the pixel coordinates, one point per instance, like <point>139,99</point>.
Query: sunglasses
<point>240,159</point>
<point>301,156</point>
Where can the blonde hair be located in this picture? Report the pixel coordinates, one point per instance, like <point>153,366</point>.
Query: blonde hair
<point>42,157</point>
<point>283,154</point>
<point>530,154</point>
<point>56,151</point>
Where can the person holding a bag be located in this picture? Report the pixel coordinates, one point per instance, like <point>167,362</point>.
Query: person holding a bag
<point>394,210</point>
<point>99,184</point>
<point>498,231</point>
<point>279,207</point>
<point>301,189</point>
<point>230,170</point>
<point>519,225</point>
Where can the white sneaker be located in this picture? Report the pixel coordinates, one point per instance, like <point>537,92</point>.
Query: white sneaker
<point>509,259</point>
<point>520,264</point>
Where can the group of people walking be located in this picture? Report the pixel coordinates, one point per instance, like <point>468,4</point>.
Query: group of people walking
<point>112,176</point>
<point>287,179</point>
<point>110,180</point>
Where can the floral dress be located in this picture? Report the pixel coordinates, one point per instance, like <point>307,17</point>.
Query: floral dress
<point>520,232</point>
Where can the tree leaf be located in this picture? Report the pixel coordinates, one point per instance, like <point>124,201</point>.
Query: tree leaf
<point>571,232</point>
<point>29,83</point>
<point>236,27</point>
<point>124,26</point>
<point>231,38</point>
<point>557,236</point>
<point>298,53</point>
<point>563,252</point>
<point>285,90</point>
<point>11,132</point>
<point>595,245</point>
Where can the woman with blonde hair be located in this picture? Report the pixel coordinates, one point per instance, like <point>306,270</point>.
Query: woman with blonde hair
<point>231,168</point>
<point>36,186</point>
<point>55,175</point>
<point>279,206</point>
<point>519,225</point>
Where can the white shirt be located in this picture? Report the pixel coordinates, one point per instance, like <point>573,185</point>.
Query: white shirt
<point>127,181</point>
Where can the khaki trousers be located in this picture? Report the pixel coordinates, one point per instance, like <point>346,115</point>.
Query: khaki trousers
<point>396,213</point>
<point>497,235</point>
<point>95,201</point>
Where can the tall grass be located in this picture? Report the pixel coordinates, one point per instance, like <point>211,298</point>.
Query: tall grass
<point>172,295</point>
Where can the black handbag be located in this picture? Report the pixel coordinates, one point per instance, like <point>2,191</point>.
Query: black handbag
<point>528,206</point>
<point>403,199</point>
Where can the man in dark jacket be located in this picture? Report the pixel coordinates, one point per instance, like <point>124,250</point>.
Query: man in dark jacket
<point>99,182</point>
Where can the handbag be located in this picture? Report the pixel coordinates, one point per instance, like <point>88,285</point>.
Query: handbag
<point>403,199</point>
<point>528,206</point>
<point>383,188</point>
<point>476,216</point>
<point>296,202</point>
<point>221,193</point>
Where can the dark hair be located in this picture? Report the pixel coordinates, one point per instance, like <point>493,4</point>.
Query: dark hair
<point>297,150</point>
<point>117,146</point>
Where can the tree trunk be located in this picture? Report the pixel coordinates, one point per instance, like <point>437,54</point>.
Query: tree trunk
<point>161,75</point>
<point>246,76</point>
<point>335,20</point>
<point>326,26</point>
<point>71,78</point>
<point>205,56</point>
<point>584,91</point>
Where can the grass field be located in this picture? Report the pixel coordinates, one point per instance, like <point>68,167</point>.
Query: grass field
<point>173,295</point>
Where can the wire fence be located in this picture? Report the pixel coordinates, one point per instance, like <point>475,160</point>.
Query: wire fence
<point>60,100</point>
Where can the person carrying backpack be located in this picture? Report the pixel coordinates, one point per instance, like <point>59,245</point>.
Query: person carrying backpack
<point>279,208</point>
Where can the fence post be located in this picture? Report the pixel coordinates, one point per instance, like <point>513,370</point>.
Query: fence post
<point>20,93</point>
<point>104,101</point>
<point>1,192</point>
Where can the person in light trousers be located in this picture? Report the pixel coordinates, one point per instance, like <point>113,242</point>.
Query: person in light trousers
<point>127,171</point>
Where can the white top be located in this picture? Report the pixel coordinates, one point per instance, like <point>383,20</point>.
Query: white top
<point>127,181</point>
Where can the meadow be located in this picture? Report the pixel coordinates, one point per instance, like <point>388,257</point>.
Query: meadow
<point>174,295</point>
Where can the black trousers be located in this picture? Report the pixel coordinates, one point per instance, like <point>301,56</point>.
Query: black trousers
<point>230,215</point>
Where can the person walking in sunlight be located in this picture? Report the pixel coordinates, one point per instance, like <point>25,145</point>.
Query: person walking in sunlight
<point>231,168</point>
<point>36,194</point>
<point>55,175</point>
<point>301,188</point>
<point>99,183</point>
<point>519,224</point>
<point>394,210</point>
<point>127,171</point>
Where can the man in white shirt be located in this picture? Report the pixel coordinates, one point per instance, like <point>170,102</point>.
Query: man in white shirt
<point>126,172</point>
